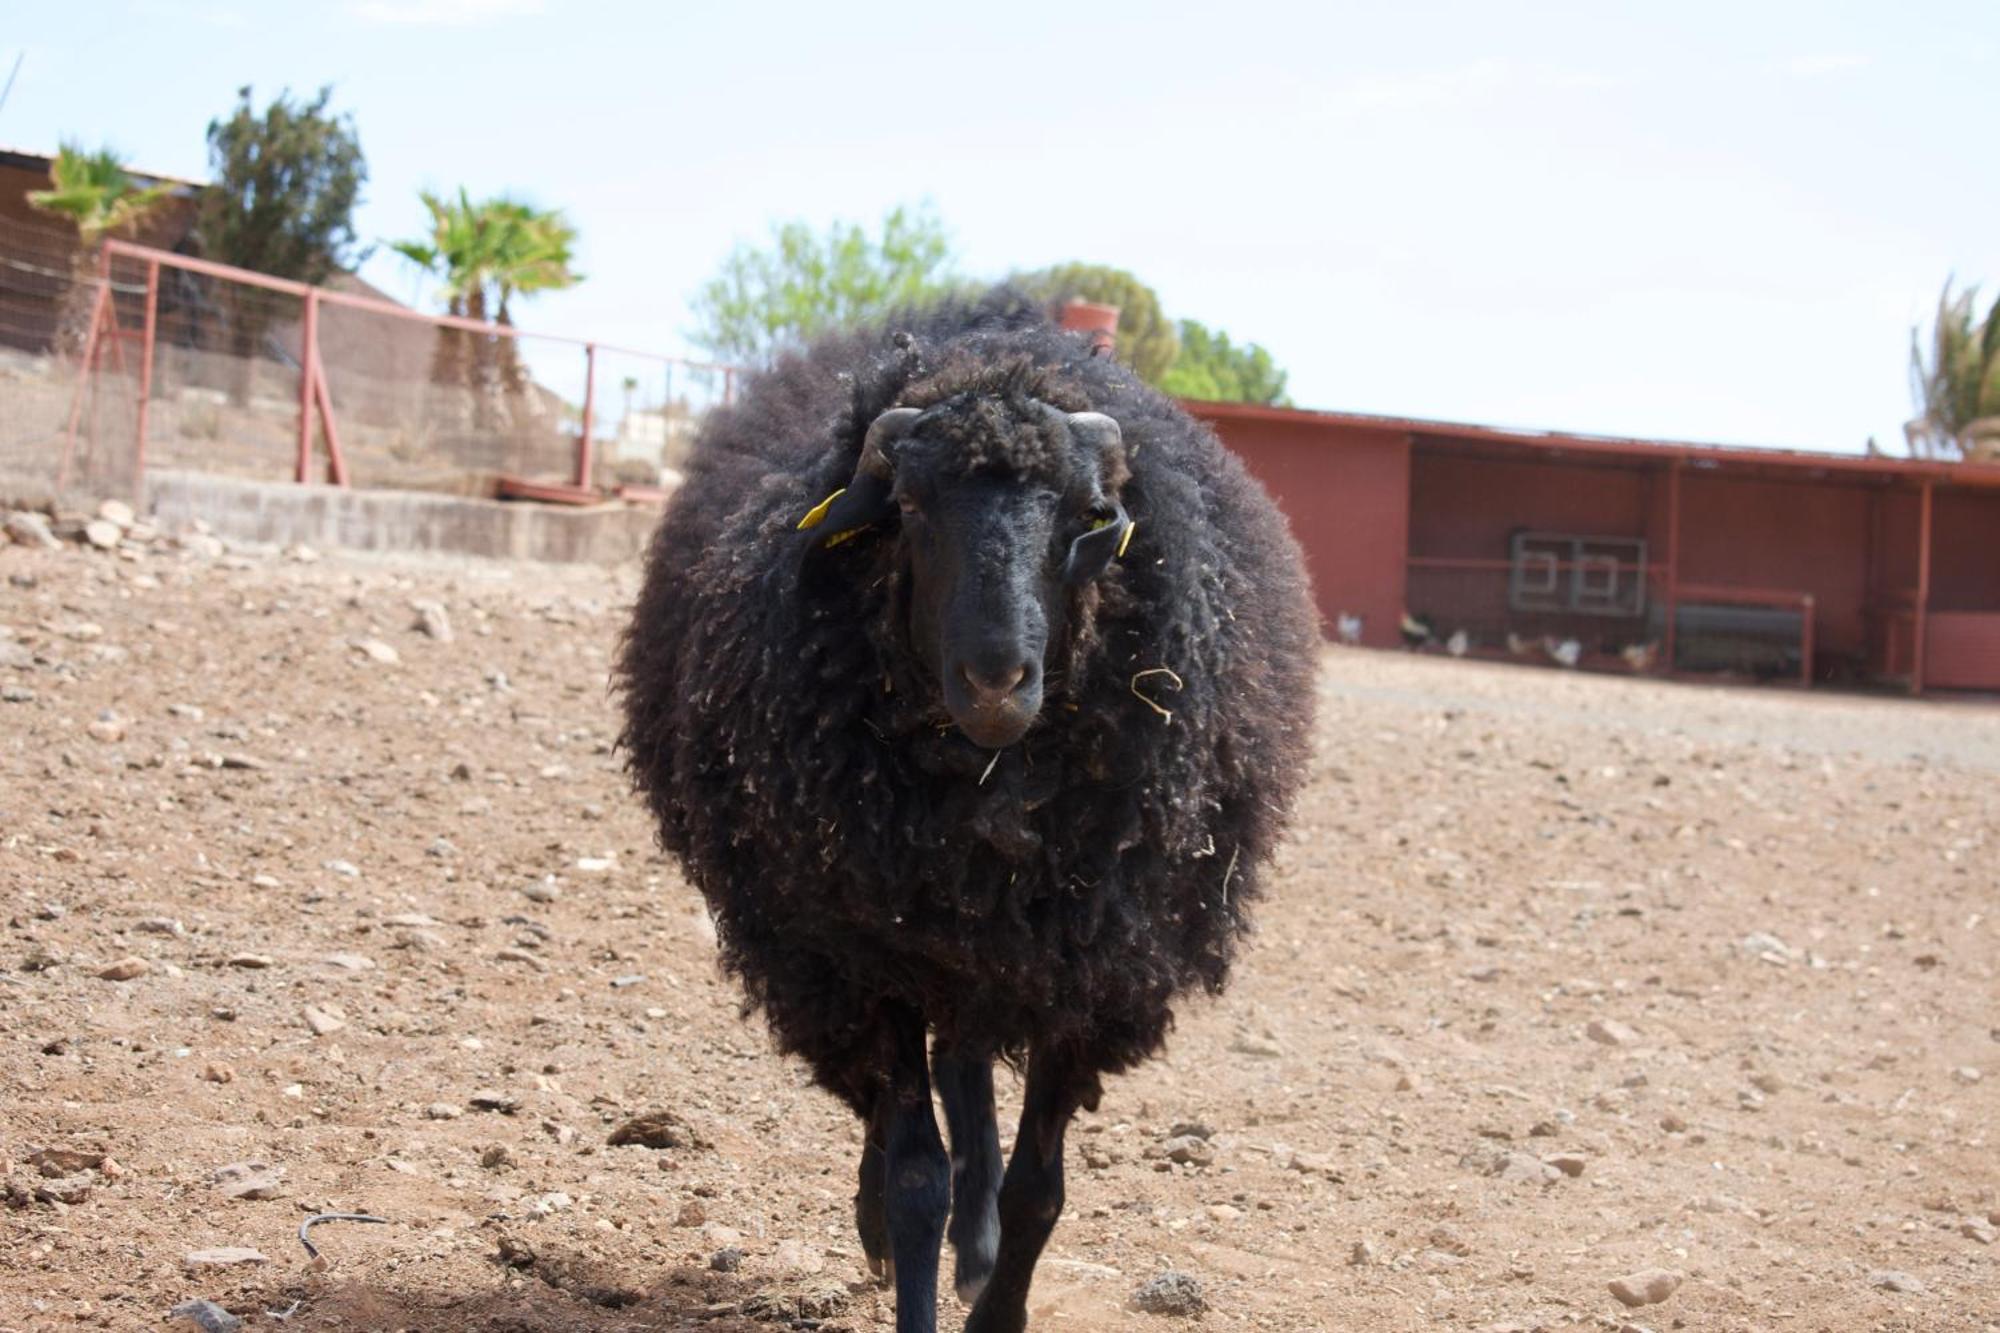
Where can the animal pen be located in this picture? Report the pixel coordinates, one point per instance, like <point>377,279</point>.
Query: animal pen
<point>177,363</point>
<point>1639,556</point>
<point>1612,554</point>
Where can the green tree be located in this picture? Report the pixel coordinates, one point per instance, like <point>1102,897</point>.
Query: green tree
<point>1213,369</point>
<point>1146,340</point>
<point>455,253</point>
<point>533,252</point>
<point>485,254</point>
<point>1957,386</point>
<point>804,282</point>
<point>286,183</point>
<point>99,197</point>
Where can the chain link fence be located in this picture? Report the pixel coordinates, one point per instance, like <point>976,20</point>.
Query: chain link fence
<point>137,359</point>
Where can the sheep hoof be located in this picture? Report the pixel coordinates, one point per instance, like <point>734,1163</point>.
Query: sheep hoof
<point>985,1319</point>
<point>976,1252</point>
<point>883,1269</point>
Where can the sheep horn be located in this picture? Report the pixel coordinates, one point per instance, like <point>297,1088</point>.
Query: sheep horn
<point>1095,429</point>
<point>885,430</point>
<point>865,499</point>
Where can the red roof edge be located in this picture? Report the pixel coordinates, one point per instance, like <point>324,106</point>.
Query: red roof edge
<point>1662,451</point>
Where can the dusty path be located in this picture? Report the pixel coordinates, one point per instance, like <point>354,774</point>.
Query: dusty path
<point>1728,956</point>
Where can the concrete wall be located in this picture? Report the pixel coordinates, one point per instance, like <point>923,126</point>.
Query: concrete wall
<point>399,520</point>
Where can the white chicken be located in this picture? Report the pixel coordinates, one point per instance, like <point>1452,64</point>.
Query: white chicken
<point>1640,656</point>
<point>1567,652</point>
<point>1348,628</point>
<point>1459,643</point>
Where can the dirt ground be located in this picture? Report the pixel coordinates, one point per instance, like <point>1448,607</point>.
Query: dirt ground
<point>1561,978</point>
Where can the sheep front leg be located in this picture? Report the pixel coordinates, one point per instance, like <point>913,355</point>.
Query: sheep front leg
<point>1031,1193</point>
<point>871,1194</point>
<point>918,1177</point>
<point>965,1085</point>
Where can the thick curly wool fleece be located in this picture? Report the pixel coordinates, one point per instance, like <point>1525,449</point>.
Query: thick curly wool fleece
<point>858,854</point>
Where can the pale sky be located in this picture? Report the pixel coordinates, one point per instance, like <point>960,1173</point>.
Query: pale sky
<point>1711,221</point>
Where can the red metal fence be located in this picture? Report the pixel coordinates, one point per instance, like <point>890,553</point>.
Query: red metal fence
<point>179,363</point>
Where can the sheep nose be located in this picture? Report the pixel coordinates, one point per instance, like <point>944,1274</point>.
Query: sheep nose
<point>993,686</point>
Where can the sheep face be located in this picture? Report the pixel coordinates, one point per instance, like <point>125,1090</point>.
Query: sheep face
<point>996,553</point>
<point>1002,512</point>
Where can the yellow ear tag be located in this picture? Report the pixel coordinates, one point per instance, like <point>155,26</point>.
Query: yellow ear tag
<point>818,511</point>
<point>1126,540</point>
<point>839,537</point>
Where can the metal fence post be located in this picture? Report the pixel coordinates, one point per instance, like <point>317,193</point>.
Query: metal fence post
<point>308,358</point>
<point>148,340</point>
<point>86,379</point>
<point>1923,616</point>
<point>589,405</point>
<point>1673,598</point>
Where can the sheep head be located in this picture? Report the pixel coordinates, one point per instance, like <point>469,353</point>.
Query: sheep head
<point>1001,510</point>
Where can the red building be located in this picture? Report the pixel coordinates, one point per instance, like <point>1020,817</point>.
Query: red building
<point>1638,555</point>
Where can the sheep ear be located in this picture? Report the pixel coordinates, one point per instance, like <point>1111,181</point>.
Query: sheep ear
<point>842,515</point>
<point>1092,553</point>
<point>864,500</point>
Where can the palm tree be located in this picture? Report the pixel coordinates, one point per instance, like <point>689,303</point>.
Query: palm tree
<point>532,253</point>
<point>1957,389</point>
<point>499,247</point>
<point>456,253</point>
<point>97,194</point>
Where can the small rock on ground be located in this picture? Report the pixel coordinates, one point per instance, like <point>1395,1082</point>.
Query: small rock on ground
<point>206,1316</point>
<point>249,1180</point>
<point>1569,1163</point>
<point>654,1129</point>
<point>1171,1293</point>
<point>1610,1032</point>
<point>323,1022</point>
<point>1648,1287</point>
<point>1520,1166</point>
<point>225,1256</point>
<point>31,529</point>
<point>432,620</point>
<point>797,1256</point>
<point>64,1189</point>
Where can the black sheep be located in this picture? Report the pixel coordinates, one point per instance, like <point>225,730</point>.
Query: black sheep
<point>971,682</point>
